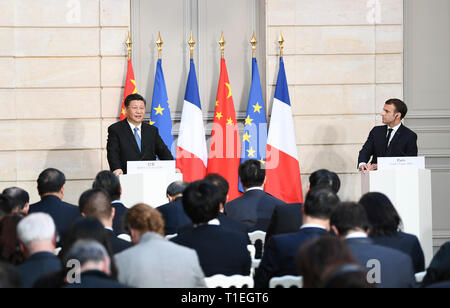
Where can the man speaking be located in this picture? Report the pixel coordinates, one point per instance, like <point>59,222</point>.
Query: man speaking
<point>133,140</point>
<point>390,140</point>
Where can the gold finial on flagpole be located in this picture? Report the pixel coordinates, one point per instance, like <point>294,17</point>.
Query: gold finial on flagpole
<point>281,42</point>
<point>159,43</point>
<point>191,43</point>
<point>253,42</point>
<point>129,43</point>
<point>222,43</point>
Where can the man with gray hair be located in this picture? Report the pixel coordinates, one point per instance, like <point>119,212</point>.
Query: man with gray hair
<point>173,212</point>
<point>37,236</point>
<point>90,266</point>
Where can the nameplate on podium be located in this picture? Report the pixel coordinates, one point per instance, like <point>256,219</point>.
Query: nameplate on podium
<point>385,163</point>
<point>139,167</point>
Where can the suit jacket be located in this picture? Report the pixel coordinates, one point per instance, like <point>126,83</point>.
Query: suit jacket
<point>119,217</point>
<point>96,280</point>
<point>406,243</point>
<point>118,244</point>
<point>286,218</point>
<point>396,267</point>
<point>225,221</point>
<point>174,216</point>
<point>220,251</point>
<point>122,146</point>
<point>254,208</point>
<point>38,265</point>
<point>63,214</point>
<point>404,143</point>
<point>158,263</point>
<point>279,255</point>
<point>439,269</point>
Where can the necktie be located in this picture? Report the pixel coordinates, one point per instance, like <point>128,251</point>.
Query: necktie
<point>388,137</point>
<point>138,139</point>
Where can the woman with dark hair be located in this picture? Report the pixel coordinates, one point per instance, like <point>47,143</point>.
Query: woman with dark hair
<point>10,251</point>
<point>385,228</point>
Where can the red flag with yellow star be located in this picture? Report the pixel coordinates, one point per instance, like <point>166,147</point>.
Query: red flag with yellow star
<point>130,88</point>
<point>225,151</point>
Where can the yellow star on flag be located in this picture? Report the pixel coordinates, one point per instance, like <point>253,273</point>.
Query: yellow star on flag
<point>151,122</point>
<point>262,161</point>
<point>217,103</point>
<point>246,137</point>
<point>251,152</point>
<point>123,111</point>
<point>159,110</point>
<point>135,88</point>
<point>257,108</point>
<point>219,115</point>
<point>248,121</point>
<point>230,121</point>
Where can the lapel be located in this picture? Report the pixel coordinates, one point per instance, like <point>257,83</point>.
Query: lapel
<point>144,137</point>
<point>396,136</point>
<point>130,135</point>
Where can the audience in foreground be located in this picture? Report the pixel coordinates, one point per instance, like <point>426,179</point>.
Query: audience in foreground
<point>438,273</point>
<point>173,212</point>
<point>10,251</point>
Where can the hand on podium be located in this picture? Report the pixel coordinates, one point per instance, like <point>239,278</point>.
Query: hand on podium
<point>368,167</point>
<point>118,172</point>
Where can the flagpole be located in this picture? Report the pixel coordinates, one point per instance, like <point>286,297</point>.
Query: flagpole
<point>159,43</point>
<point>281,42</point>
<point>253,42</point>
<point>222,43</point>
<point>191,43</point>
<point>129,43</point>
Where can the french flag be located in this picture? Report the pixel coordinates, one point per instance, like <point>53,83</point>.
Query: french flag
<point>192,155</point>
<point>283,179</point>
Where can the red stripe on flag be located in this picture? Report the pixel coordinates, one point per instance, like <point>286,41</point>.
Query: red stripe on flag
<point>191,166</point>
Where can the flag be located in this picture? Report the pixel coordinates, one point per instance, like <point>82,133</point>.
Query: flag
<point>130,88</point>
<point>192,155</point>
<point>254,140</point>
<point>225,147</point>
<point>282,167</point>
<point>160,114</point>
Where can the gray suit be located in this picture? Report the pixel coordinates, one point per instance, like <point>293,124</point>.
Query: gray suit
<point>158,263</point>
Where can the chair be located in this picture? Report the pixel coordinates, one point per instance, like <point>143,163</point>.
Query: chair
<point>255,262</point>
<point>287,281</point>
<point>171,236</point>
<point>420,276</point>
<point>125,237</point>
<point>235,281</point>
<point>258,235</point>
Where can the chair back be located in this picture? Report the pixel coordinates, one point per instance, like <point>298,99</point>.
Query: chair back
<point>235,281</point>
<point>287,281</point>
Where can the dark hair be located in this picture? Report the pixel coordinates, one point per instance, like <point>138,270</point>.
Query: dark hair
<point>201,201</point>
<point>320,202</point>
<point>317,254</point>
<point>349,216</point>
<point>251,173</point>
<point>50,181</point>
<point>383,218</point>
<point>9,242</point>
<point>439,269</point>
<point>221,183</point>
<point>399,105</point>
<point>134,97</point>
<point>324,177</point>
<point>109,182</point>
<point>348,276</point>
<point>95,203</point>
<point>176,188</point>
<point>9,277</point>
<point>5,205</point>
<point>19,197</point>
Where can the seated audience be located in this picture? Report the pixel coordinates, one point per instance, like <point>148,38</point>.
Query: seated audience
<point>153,261</point>
<point>439,270</point>
<point>280,251</point>
<point>349,276</point>
<point>37,235</point>
<point>389,268</point>
<point>220,250</point>
<point>95,203</point>
<point>20,199</point>
<point>110,183</point>
<point>9,277</point>
<point>10,251</point>
<point>385,223</point>
<point>255,207</point>
<point>5,205</point>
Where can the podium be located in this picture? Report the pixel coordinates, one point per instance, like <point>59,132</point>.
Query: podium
<point>410,192</point>
<point>147,183</point>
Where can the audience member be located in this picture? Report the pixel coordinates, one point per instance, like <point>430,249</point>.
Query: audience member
<point>280,250</point>
<point>388,268</point>
<point>385,228</point>
<point>220,251</point>
<point>20,199</point>
<point>155,262</point>
<point>50,185</point>
<point>349,276</point>
<point>9,277</point>
<point>110,183</point>
<point>10,251</point>
<point>96,203</point>
<point>439,270</point>
<point>173,212</point>
<point>37,235</point>
<point>5,205</point>
<point>255,207</point>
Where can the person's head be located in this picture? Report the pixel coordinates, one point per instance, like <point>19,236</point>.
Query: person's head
<point>383,218</point>
<point>96,203</point>
<point>9,277</point>
<point>318,254</point>
<point>349,217</point>
<point>110,183</point>
<point>37,232</point>
<point>201,201</point>
<point>5,205</point>
<point>51,182</point>
<point>20,199</point>
<point>319,205</point>
<point>252,174</point>
<point>325,177</point>
<point>9,242</point>
<point>92,256</point>
<point>347,276</point>
<point>222,184</point>
<point>135,108</point>
<point>394,111</point>
<point>141,219</point>
<point>175,190</point>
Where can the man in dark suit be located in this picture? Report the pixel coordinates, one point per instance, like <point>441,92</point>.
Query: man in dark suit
<point>255,207</point>
<point>439,269</point>
<point>390,140</point>
<point>133,140</point>
<point>95,203</point>
<point>173,212</point>
<point>280,251</point>
<point>387,267</point>
<point>220,251</point>
<point>50,185</point>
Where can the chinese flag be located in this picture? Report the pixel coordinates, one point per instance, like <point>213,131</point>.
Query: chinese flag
<point>225,151</point>
<point>130,88</point>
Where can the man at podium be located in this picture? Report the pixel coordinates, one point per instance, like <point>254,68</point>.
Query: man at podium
<point>133,140</point>
<point>390,140</point>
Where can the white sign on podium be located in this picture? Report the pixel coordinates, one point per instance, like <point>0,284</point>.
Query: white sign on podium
<point>147,181</point>
<point>401,162</point>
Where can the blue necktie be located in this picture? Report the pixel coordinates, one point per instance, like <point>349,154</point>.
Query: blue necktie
<point>138,139</point>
